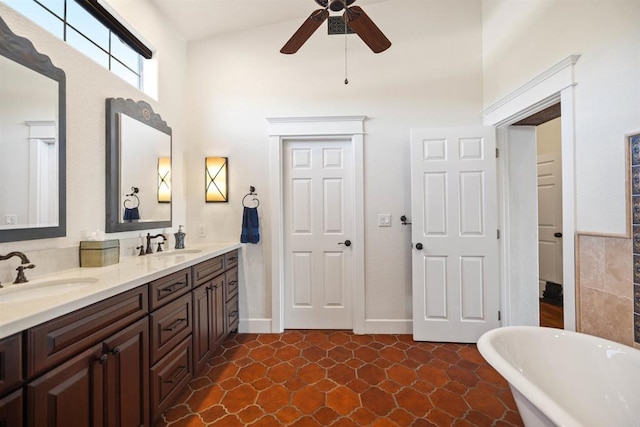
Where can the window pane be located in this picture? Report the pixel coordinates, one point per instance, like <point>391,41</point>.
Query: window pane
<point>55,6</point>
<point>39,15</point>
<point>78,41</point>
<point>124,53</point>
<point>126,74</point>
<point>86,24</point>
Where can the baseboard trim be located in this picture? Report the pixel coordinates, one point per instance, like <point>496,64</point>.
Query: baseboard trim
<point>371,326</point>
<point>254,326</point>
<point>388,326</point>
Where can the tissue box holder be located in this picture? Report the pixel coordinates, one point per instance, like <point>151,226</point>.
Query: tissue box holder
<point>99,253</point>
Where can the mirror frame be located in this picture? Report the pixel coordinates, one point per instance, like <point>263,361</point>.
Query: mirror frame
<point>142,112</point>
<point>22,51</point>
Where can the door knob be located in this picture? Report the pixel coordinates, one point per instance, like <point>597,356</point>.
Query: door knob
<point>347,243</point>
<point>419,246</point>
<point>557,234</point>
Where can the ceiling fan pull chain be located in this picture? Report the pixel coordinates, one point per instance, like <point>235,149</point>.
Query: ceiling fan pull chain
<point>346,80</point>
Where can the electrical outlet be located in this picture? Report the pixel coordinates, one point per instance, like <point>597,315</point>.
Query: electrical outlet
<point>202,231</point>
<point>11,219</point>
<point>384,220</point>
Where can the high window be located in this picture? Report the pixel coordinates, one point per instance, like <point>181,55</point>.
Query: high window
<point>90,28</point>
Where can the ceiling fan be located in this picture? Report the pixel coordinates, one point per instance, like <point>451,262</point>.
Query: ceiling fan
<point>353,16</point>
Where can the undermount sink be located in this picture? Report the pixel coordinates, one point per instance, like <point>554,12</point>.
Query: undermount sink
<point>179,252</point>
<point>49,288</point>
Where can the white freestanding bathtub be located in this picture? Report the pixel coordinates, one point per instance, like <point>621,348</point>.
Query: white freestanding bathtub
<point>566,378</point>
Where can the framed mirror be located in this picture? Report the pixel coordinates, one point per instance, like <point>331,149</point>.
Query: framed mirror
<point>138,181</point>
<point>32,142</point>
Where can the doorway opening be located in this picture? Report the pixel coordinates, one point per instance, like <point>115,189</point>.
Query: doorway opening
<point>548,140</point>
<point>283,131</point>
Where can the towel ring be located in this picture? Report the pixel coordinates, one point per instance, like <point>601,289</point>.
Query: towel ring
<point>134,193</point>
<point>251,192</point>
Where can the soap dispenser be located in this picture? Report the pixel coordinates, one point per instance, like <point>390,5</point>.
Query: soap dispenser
<point>179,238</point>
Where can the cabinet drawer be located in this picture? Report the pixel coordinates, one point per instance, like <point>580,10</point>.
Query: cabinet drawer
<point>231,288</point>
<point>53,342</point>
<point>169,377</point>
<point>231,259</point>
<point>207,270</point>
<point>169,326</point>
<point>232,314</point>
<point>10,363</point>
<point>168,288</point>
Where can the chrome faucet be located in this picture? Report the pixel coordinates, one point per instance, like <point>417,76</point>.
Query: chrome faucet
<point>20,278</point>
<point>150,237</point>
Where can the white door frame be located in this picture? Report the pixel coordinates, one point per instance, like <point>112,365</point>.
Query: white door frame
<point>349,128</point>
<point>552,86</point>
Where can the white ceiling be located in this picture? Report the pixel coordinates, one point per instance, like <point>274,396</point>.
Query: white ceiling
<point>199,19</point>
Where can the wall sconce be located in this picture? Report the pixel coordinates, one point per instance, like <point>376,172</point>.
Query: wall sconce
<point>215,179</point>
<point>164,179</point>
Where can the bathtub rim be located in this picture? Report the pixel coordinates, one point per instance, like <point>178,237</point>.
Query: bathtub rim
<point>536,396</point>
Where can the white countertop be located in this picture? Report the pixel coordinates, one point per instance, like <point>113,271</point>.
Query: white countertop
<point>47,297</point>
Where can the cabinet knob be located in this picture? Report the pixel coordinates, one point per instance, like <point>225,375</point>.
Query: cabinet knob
<point>115,350</point>
<point>419,246</point>
<point>102,359</point>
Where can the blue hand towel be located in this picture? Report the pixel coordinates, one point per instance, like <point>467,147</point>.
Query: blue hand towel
<point>131,214</point>
<point>250,226</point>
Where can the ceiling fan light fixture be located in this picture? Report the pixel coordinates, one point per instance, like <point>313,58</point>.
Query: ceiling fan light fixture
<point>336,5</point>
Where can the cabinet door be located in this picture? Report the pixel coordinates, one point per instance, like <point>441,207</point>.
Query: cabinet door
<point>11,410</point>
<point>218,314</point>
<point>202,333</point>
<point>127,380</point>
<point>10,363</point>
<point>69,395</point>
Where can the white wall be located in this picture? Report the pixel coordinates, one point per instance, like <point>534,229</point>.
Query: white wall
<point>521,39</point>
<point>88,85</point>
<point>430,77</point>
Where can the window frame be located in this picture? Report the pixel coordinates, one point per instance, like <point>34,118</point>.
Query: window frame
<point>114,63</point>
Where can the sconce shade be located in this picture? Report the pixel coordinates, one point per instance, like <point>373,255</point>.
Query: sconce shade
<point>216,174</point>
<point>164,179</point>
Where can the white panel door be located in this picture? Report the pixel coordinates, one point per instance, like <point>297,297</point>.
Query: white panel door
<point>454,233</point>
<point>318,221</point>
<point>550,218</point>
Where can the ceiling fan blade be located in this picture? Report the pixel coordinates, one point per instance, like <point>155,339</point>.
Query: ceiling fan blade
<point>305,31</point>
<point>366,29</point>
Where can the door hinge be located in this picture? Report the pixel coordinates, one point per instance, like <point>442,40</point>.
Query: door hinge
<point>499,316</point>
<point>497,153</point>
<point>498,234</point>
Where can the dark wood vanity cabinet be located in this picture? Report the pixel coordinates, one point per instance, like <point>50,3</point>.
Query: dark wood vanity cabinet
<point>104,384</point>
<point>10,363</point>
<point>124,360</point>
<point>171,340</point>
<point>216,285</point>
<point>208,320</point>
<point>208,302</point>
<point>11,409</point>
<point>11,399</point>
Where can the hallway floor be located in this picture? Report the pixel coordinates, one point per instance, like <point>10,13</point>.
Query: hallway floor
<point>322,378</point>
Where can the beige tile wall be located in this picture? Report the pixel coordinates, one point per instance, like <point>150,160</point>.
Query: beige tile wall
<point>605,287</point>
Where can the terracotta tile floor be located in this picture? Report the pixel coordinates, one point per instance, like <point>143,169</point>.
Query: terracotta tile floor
<point>322,378</point>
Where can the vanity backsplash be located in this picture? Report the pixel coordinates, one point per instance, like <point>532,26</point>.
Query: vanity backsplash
<point>48,261</point>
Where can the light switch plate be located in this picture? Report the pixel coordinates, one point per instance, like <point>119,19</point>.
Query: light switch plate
<point>384,220</point>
